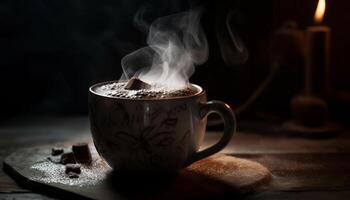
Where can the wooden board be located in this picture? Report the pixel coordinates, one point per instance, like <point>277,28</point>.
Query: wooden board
<point>214,176</point>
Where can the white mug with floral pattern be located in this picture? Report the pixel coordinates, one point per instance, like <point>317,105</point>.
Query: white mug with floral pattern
<point>155,135</point>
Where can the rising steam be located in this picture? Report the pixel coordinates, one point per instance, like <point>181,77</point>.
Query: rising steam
<point>232,48</point>
<point>176,43</point>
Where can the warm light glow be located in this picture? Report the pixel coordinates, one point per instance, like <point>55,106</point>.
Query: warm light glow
<point>321,7</point>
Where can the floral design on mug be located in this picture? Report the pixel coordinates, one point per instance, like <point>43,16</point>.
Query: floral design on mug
<point>141,148</point>
<point>144,143</point>
<point>136,136</point>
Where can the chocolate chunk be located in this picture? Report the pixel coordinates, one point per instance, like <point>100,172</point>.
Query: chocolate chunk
<point>56,151</point>
<point>73,168</point>
<point>136,84</point>
<point>73,175</point>
<point>68,158</point>
<point>82,153</point>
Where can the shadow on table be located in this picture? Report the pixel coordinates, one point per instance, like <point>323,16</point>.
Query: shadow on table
<point>183,185</point>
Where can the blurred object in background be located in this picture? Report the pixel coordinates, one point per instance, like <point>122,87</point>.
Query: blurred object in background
<point>285,57</point>
<point>310,109</point>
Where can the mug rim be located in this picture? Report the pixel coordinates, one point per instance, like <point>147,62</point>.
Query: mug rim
<point>92,91</point>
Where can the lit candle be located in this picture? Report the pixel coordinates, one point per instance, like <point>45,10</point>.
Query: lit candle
<point>317,54</point>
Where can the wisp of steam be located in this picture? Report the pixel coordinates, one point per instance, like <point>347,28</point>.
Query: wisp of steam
<point>232,49</point>
<point>176,44</point>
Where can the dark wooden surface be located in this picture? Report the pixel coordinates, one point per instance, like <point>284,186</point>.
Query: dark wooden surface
<point>310,168</point>
<point>210,177</point>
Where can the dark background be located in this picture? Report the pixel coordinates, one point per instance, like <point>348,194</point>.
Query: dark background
<point>52,51</point>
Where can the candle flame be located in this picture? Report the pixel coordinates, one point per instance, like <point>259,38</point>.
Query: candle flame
<point>320,10</point>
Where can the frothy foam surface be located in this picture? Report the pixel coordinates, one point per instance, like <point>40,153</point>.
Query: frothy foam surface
<point>155,92</point>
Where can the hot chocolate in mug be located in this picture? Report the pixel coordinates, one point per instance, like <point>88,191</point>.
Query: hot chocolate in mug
<point>155,135</point>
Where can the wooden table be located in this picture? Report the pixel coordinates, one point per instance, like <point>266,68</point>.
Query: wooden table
<point>307,168</point>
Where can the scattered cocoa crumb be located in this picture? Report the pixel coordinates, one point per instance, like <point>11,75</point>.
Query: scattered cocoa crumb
<point>73,175</point>
<point>68,158</point>
<point>73,168</point>
<point>56,151</point>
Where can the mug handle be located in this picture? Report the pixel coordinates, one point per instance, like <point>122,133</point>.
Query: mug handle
<point>229,118</point>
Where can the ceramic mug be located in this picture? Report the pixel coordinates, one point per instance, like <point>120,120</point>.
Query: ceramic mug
<point>155,135</point>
